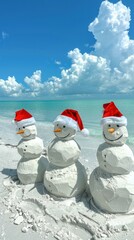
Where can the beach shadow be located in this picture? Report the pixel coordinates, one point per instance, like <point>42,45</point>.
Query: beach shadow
<point>39,187</point>
<point>81,177</point>
<point>43,164</point>
<point>9,172</point>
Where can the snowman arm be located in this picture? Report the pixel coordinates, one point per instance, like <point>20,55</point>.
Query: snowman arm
<point>44,152</point>
<point>78,145</point>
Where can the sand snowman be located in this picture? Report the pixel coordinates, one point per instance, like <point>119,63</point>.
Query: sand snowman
<point>32,164</point>
<point>65,176</point>
<point>112,183</point>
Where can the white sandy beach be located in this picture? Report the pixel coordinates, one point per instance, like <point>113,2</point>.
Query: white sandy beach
<point>29,212</point>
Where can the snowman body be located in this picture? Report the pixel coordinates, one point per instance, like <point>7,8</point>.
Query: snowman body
<point>113,193</point>
<point>31,167</point>
<point>115,159</point>
<point>65,176</point>
<point>63,153</point>
<point>112,183</point>
<point>65,182</point>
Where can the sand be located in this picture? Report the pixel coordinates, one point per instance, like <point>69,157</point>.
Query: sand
<point>29,212</point>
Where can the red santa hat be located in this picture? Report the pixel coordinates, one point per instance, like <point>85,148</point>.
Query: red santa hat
<point>111,114</point>
<point>23,118</point>
<point>72,119</point>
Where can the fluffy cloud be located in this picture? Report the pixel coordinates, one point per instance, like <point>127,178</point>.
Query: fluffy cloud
<point>110,30</point>
<point>34,83</point>
<point>82,77</point>
<point>108,69</point>
<point>10,87</point>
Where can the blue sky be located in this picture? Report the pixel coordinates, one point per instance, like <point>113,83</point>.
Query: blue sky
<point>47,48</point>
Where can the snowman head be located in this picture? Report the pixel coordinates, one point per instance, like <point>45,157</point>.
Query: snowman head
<point>27,132</point>
<point>115,134</point>
<point>114,125</point>
<point>63,131</point>
<point>67,124</point>
<point>25,124</point>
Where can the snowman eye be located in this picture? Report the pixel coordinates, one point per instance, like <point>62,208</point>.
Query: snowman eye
<point>57,125</point>
<point>19,128</point>
<point>118,125</point>
<point>109,125</point>
<point>64,126</point>
<point>23,127</point>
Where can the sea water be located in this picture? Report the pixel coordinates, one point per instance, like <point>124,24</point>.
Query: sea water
<point>90,110</point>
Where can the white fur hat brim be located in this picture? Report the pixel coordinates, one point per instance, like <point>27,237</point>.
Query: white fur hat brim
<point>67,121</point>
<point>25,122</point>
<point>122,121</point>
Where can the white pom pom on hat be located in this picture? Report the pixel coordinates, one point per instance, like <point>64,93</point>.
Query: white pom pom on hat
<point>85,132</point>
<point>111,114</point>
<point>71,118</point>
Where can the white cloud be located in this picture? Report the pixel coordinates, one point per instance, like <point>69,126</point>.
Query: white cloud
<point>57,62</point>
<point>10,87</point>
<point>108,69</point>
<point>110,30</point>
<point>4,35</point>
<point>34,83</point>
<point>82,77</point>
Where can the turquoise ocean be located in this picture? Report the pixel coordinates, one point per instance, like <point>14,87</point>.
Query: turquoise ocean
<point>90,110</point>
